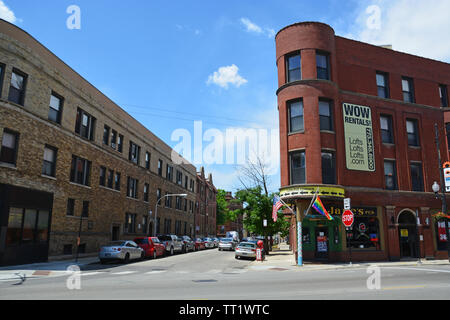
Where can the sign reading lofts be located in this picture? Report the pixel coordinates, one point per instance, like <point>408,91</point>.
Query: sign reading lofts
<point>359,148</point>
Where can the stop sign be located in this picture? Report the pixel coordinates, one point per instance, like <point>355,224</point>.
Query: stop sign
<point>347,218</point>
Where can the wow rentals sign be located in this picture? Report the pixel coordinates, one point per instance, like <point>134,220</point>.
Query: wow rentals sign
<point>359,148</point>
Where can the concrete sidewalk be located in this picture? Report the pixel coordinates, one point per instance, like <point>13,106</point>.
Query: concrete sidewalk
<point>283,258</point>
<point>43,269</point>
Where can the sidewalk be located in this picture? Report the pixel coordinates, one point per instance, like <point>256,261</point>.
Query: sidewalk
<point>282,258</point>
<point>42,269</point>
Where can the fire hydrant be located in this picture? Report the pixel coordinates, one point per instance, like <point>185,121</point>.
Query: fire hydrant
<point>260,251</point>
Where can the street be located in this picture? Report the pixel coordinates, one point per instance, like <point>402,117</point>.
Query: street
<point>214,275</point>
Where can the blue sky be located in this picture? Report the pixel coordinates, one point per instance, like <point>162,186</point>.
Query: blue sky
<point>154,58</point>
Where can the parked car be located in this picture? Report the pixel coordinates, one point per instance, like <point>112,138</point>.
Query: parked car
<point>171,243</point>
<point>152,247</point>
<point>188,244</point>
<point>209,243</point>
<point>199,244</point>
<point>246,250</point>
<point>227,244</point>
<point>216,242</point>
<point>124,250</point>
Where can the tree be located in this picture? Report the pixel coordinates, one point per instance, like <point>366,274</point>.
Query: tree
<point>222,207</point>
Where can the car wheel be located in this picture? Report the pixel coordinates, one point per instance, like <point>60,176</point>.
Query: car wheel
<point>171,251</point>
<point>102,261</point>
<point>127,258</point>
<point>154,254</point>
<point>237,257</point>
<point>142,255</point>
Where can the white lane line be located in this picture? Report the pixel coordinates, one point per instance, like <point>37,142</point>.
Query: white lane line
<point>123,272</point>
<point>419,269</point>
<point>90,273</point>
<point>156,271</point>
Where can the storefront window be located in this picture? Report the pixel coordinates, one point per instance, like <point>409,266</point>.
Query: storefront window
<point>26,226</point>
<point>365,234</point>
<point>14,232</point>
<point>306,236</point>
<point>42,227</point>
<point>29,226</point>
<point>441,235</point>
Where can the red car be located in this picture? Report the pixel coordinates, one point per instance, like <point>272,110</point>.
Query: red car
<point>199,244</point>
<point>152,247</point>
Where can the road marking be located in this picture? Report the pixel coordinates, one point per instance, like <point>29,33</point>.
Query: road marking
<point>124,272</point>
<point>90,273</point>
<point>420,269</point>
<point>404,287</point>
<point>156,271</point>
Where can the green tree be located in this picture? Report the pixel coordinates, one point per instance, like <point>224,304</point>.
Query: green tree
<point>222,207</point>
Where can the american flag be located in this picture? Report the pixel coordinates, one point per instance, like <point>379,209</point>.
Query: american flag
<point>277,204</point>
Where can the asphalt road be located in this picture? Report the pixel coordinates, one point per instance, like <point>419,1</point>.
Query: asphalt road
<point>214,275</point>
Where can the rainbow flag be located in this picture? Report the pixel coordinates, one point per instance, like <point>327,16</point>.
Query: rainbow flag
<point>320,208</point>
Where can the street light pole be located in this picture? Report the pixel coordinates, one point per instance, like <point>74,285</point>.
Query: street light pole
<point>436,190</point>
<point>156,206</point>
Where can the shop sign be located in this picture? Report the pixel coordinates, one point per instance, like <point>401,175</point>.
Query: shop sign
<point>308,192</point>
<point>359,145</point>
<point>357,211</point>
<point>442,232</point>
<point>322,244</point>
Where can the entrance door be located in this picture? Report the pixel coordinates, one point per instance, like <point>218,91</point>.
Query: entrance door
<point>322,244</point>
<point>407,230</point>
<point>115,233</point>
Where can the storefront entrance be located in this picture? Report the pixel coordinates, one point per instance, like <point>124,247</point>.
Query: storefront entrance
<point>407,230</point>
<point>322,244</point>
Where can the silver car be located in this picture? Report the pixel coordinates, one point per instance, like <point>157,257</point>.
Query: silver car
<point>245,250</point>
<point>124,250</point>
<point>209,243</point>
<point>227,244</point>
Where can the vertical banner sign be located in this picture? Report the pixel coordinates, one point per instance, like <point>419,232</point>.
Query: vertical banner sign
<point>447,179</point>
<point>299,243</point>
<point>359,148</point>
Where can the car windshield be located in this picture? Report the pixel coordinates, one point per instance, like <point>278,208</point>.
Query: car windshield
<point>164,238</point>
<point>116,244</point>
<point>247,245</point>
<point>141,241</point>
<point>226,240</point>
<point>155,240</point>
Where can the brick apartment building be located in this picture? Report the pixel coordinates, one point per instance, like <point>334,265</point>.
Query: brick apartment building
<point>71,157</point>
<point>237,225</point>
<point>358,121</point>
<point>206,205</point>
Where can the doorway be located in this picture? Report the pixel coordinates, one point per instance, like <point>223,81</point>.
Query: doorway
<point>322,244</point>
<point>408,238</point>
<point>115,233</point>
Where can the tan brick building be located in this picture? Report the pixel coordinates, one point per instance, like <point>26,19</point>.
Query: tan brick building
<point>70,157</point>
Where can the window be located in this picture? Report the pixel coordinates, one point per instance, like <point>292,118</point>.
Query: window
<point>85,211</point>
<point>27,226</point>
<point>110,178</point>
<point>328,168</point>
<point>102,176</point>
<point>130,223</point>
<point>70,207</point>
<point>447,129</point>
<point>85,124</point>
<point>382,85</point>
<point>2,75</point>
<point>416,177</point>
<point>106,130</point>
<point>80,170</point>
<point>387,135</point>
<point>168,201</point>
<point>169,173</point>
<point>160,166</point>
<point>10,145</point>
<point>412,131</point>
<point>17,87</point>
<point>120,144</point>
<point>132,187</point>
<point>293,67</point>
<point>117,181</point>
<point>55,108</point>
<point>298,167</point>
<point>113,139</point>
<point>49,166</point>
<point>178,203</point>
<point>179,177</point>
<point>365,234</point>
<point>147,160</point>
<point>295,109</point>
<point>186,182</point>
<point>390,175</point>
<point>323,69</point>
<point>443,95</point>
<point>326,115</point>
<point>408,90</point>
<point>134,152</point>
<point>158,194</point>
<point>146,190</point>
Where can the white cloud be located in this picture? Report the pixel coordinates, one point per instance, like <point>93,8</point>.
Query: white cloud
<point>412,26</point>
<point>227,75</point>
<point>254,28</point>
<point>6,13</point>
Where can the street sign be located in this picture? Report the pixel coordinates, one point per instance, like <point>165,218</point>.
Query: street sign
<point>347,204</point>
<point>348,218</point>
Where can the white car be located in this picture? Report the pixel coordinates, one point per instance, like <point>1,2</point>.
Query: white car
<point>124,250</point>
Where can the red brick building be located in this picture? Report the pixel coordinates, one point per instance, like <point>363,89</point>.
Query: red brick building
<point>237,225</point>
<point>206,206</point>
<point>358,121</point>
